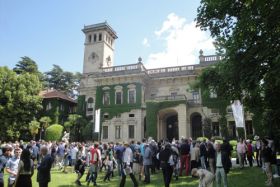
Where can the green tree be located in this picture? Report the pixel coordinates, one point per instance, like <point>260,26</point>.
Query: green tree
<point>247,36</point>
<point>75,123</point>
<point>62,80</point>
<point>45,121</point>
<point>19,101</point>
<point>26,65</point>
<point>34,127</point>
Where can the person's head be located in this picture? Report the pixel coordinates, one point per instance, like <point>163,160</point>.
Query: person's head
<point>25,154</point>
<point>96,145</point>
<point>17,152</point>
<point>25,157</point>
<point>194,172</point>
<point>265,142</point>
<point>44,150</point>
<point>7,151</point>
<point>126,144</point>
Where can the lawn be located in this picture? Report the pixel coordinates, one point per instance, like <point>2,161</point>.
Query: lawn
<point>237,178</point>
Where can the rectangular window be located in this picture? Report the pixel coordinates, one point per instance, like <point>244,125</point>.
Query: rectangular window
<point>94,37</point>
<point>131,96</point>
<point>131,115</point>
<point>118,132</point>
<point>49,106</point>
<point>106,116</point>
<point>131,131</point>
<point>89,38</point>
<point>118,98</point>
<point>232,129</point>
<point>195,97</point>
<point>215,129</point>
<point>62,107</point>
<point>106,98</point>
<point>100,37</point>
<point>105,132</point>
<point>249,127</point>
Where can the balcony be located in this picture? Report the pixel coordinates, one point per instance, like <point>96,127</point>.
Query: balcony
<point>170,98</point>
<point>194,103</point>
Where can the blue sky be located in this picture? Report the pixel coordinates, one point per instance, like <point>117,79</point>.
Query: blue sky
<point>162,32</point>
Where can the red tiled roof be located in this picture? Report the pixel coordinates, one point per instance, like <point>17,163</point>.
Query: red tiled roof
<point>47,94</point>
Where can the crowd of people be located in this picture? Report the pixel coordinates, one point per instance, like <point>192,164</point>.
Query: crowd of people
<point>208,160</point>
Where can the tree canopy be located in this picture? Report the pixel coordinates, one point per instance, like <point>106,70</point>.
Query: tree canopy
<point>19,101</point>
<point>247,35</point>
<point>62,80</point>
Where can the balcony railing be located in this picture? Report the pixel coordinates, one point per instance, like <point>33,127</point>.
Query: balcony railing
<point>171,71</point>
<point>170,98</point>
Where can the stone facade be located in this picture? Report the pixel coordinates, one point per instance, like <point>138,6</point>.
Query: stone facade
<point>122,92</point>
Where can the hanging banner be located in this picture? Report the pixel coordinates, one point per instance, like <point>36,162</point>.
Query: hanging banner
<point>238,113</point>
<point>97,120</point>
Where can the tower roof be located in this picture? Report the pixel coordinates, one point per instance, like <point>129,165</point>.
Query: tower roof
<point>100,26</point>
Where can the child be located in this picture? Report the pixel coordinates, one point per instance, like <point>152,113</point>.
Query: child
<point>206,178</point>
<point>109,165</point>
<point>80,169</point>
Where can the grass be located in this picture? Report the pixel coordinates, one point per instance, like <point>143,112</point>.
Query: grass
<point>236,178</point>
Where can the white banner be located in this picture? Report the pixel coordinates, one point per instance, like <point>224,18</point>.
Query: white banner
<point>97,120</point>
<point>238,113</point>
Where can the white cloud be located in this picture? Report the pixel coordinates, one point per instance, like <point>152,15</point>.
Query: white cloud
<point>182,40</point>
<point>145,42</point>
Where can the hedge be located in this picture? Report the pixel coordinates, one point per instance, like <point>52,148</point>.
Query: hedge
<point>54,132</point>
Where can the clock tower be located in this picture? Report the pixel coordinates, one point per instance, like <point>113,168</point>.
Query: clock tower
<point>99,47</point>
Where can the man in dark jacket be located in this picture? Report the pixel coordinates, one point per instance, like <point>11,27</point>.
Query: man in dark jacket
<point>167,167</point>
<point>44,168</point>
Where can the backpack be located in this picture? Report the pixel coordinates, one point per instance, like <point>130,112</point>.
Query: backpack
<point>94,156</point>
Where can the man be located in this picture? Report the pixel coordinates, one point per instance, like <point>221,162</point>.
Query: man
<point>147,162</point>
<point>185,156</point>
<point>44,168</point>
<point>12,167</point>
<point>203,154</point>
<point>165,158</point>
<point>267,157</point>
<point>126,166</point>
<point>223,165</point>
<point>94,163</point>
<point>3,161</point>
<point>119,149</point>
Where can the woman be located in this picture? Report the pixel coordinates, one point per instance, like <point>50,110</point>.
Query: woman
<point>25,170</point>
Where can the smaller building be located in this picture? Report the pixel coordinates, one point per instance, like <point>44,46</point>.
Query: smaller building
<point>57,105</point>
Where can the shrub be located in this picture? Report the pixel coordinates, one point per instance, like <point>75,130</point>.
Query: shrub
<point>201,139</point>
<point>54,132</point>
<point>216,138</point>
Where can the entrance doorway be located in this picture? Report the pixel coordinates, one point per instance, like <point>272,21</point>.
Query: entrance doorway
<point>167,125</point>
<point>196,125</point>
<point>172,127</point>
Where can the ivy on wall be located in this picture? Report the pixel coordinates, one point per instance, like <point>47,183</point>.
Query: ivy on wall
<point>152,109</point>
<point>114,109</point>
<point>59,110</point>
<point>219,104</point>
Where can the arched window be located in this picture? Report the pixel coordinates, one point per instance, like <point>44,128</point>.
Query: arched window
<point>90,104</point>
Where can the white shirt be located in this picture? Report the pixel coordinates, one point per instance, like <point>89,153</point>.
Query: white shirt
<point>127,155</point>
<point>74,152</point>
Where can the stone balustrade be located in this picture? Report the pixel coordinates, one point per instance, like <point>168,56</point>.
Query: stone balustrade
<point>170,98</point>
<point>157,72</point>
